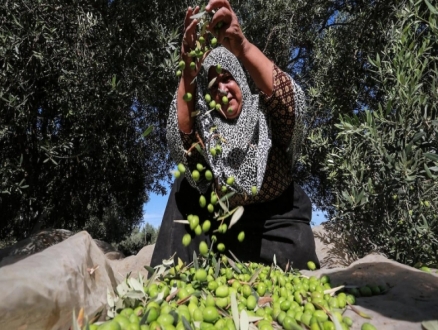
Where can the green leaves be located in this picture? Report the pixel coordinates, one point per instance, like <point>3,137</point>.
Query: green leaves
<point>382,168</point>
<point>148,131</point>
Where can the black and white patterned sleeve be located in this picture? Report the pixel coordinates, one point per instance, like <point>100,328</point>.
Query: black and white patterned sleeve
<point>286,108</point>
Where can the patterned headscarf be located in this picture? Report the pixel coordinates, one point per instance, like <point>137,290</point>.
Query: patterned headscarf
<point>245,141</point>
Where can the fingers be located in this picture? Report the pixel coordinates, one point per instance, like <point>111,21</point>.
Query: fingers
<point>189,37</point>
<point>223,15</point>
<point>189,13</point>
<point>212,4</point>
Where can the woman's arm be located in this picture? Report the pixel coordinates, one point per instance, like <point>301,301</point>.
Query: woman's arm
<point>185,108</point>
<point>230,35</point>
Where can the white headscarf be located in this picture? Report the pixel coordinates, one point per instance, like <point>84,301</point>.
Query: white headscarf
<point>246,140</point>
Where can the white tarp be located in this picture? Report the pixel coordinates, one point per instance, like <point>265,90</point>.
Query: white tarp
<point>41,290</point>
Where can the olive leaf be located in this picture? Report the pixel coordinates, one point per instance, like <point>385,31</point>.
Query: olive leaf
<point>110,297</point>
<point>198,147</point>
<point>195,260</point>
<point>234,310</point>
<point>198,15</point>
<point>135,284</point>
<point>148,131</point>
<point>222,205</point>
<point>335,321</point>
<point>233,255</point>
<point>168,262</point>
<point>358,312</point>
<point>430,325</point>
<point>211,83</point>
<point>217,268</point>
<point>75,322</point>
<point>233,265</point>
<point>134,295</point>
<point>255,275</point>
<point>185,222</point>
<point>186,323</point>
<point>238,212</point>
<point>195,113</point>
<point>145,317</point>
<point>244,322</point>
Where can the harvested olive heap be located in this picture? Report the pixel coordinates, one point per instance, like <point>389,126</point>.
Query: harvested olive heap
<point>212,293</point>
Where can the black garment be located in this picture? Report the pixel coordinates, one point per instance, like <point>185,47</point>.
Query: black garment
<point>280,227</point>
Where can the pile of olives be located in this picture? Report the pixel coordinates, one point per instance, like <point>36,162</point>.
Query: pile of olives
<point>226,294</point>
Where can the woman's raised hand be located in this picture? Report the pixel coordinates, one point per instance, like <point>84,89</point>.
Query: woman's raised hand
<point>225,27</point>
<point>189,42</point>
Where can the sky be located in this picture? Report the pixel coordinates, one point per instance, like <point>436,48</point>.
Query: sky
<point>153,211</point>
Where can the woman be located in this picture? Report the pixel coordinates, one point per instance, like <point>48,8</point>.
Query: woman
<point>258,138</point>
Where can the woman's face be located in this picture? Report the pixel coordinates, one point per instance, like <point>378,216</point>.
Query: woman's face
<point>225,85</point>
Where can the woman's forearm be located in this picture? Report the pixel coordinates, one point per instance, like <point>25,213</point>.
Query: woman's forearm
<point>185,108</point>
<point>260,68</point>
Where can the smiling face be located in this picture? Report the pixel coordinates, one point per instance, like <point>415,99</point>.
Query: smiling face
<point>225,85</point>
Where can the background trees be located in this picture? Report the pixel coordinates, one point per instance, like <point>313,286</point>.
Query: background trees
<point>82,80</point>
<point>78,87</point>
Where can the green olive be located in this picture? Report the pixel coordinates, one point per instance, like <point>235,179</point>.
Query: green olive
<point>207,98</point>
<point>222,291</point>
<point>198,230</point>
<point>224,100</point>
<point>230,180</point>
<point>365,291</point>
<point>187,97</point>
<point>182,65</point>
<point>181,168</point>
<point>203,248</point>
<point>213,42</point>
<point>210,208</point>
<point>206,226</point>
<point>210,314</point>
<point>251,302</point>
<point>208,175</point>
<point>241,236</point>
<point>186,239</point>
<point>201,275</point>
<point>196,175</point>
<point>311,265</point>
<point>202,201</point>
<point>193,221</point>
<point>367,326</point>
<point>221,246</point>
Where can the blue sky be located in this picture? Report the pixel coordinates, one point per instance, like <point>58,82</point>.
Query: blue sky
<point>153,210</point>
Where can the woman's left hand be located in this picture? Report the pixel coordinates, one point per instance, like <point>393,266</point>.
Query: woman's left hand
<point>228,32</point>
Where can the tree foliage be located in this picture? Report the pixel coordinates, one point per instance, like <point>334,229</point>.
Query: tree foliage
<point>133,243</point>
<point>384,168</point>
<point>80,82</point>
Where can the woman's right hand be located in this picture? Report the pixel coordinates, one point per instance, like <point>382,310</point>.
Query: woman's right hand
<point>189,42</point>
